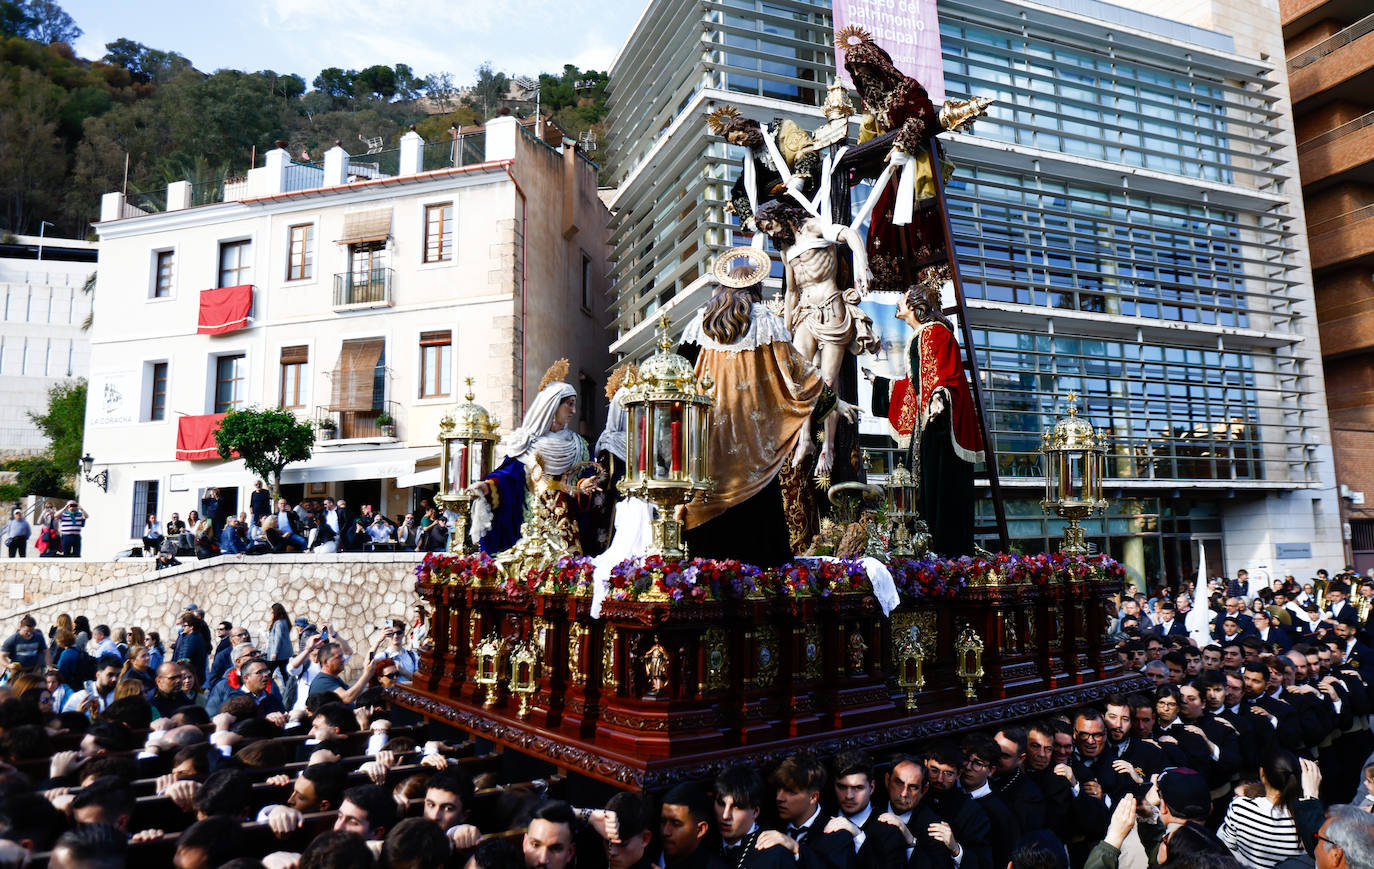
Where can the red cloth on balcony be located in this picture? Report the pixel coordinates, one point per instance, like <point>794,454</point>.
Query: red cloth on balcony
<point>225,309</point>
<point>196,437</point>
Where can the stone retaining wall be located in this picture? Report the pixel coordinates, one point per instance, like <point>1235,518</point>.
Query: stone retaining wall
<point>354,591</point>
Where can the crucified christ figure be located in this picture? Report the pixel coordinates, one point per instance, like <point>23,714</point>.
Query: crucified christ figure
<point>825,320</point>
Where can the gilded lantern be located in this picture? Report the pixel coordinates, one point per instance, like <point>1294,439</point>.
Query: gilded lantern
<point>467,439</point>
<point>668,419</point>
<point>1074,460</point>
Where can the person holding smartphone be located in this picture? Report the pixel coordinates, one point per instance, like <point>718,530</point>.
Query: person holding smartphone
<point>390,646</point>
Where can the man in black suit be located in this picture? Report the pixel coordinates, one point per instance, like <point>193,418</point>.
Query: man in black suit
<point>739,796</point>
<point>1235,608</point>
<point>981,756</point>
<point>1279,713</point>
<point>967,820</point>
<point>1270,633</point>
<point>1168,625</point>
<point>881,845</point>
<point>684,824</point>
<point>1012,783</point>
<point>1114,777</point>
<point>1353,652</point>
<point>818,839</point>
<point>1337,594</point>
<point>930,842</point>
<point>1142,754</point>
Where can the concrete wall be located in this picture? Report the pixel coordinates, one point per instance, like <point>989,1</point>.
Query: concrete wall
<point>352,591</point>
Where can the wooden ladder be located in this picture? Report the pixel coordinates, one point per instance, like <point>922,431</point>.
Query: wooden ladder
<point>870,154</point>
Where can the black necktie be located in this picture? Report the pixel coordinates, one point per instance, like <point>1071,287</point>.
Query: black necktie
<point>796,832</point>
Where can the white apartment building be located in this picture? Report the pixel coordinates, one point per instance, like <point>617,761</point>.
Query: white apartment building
<point>365,287</point>
<point>43,341</point>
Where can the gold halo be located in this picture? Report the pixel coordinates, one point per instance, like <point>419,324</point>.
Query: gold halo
<point>761,264</point>
<point>851,36</point>
<point>720,118</point>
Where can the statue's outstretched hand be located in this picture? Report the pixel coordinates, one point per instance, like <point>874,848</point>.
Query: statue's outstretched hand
<point>847,410</point>
<point>825,462</point>
<point>863,279</point>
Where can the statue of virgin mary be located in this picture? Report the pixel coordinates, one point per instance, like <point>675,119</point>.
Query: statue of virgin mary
<point>545,448</point>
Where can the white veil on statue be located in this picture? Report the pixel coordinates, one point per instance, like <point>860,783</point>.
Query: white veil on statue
<point>557,451</point>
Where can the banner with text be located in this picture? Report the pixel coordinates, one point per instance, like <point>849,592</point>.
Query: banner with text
<point>908,30</point>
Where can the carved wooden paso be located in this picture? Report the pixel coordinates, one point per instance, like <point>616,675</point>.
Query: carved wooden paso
<point>656,690</point>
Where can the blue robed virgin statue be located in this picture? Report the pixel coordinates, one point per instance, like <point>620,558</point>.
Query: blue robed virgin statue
<point>543,447</point>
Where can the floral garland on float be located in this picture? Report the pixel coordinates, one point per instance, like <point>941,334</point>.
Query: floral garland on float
<point>659,580</point>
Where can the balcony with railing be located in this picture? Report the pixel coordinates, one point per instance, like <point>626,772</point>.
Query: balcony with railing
<point>368,288</point>
<point>337,427</point>
<point>1339,67</point>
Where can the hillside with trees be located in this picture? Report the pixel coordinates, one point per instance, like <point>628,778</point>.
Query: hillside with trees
<point>71,127</point>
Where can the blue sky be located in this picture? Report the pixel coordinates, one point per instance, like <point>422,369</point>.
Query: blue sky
<point>305,36</point>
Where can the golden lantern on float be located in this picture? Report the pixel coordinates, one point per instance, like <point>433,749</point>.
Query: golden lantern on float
<point>668,420</point>
<point>901,490</point>
<point>467,439</point>
<point>1074,460</point>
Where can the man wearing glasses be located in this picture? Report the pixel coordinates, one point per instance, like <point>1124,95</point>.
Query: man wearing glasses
<point>256,676</point>
<point>226,653</point>
<point>981,759</point>
<point>1114,777</point>
<point>968,823</point>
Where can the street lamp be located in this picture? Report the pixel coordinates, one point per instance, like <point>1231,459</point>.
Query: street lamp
<point>42,228</point>
<point>101,479</point>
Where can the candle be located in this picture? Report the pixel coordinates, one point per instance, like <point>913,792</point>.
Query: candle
<point>643,442</point>
<point>463,467</point>
<point>676,427</point>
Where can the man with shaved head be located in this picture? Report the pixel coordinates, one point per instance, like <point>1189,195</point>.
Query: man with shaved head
<point>168,697</point>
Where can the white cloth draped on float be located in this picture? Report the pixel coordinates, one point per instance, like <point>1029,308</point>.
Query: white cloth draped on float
<point>884,587</point>
<point>631,537</point>
<point>555,451</point>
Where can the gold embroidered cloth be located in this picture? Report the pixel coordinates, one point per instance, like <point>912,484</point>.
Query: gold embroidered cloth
<point>764,399</point>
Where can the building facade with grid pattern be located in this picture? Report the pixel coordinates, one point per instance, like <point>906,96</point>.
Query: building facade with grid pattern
<point>1128,227</point>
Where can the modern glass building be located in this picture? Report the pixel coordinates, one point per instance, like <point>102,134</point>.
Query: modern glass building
<point>1125,226</point>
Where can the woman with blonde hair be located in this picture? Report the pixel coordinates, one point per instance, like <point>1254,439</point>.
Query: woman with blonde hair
<point>63,623</point>
<point>136,669</point>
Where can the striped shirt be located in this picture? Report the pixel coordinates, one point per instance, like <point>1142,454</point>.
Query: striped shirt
<point>1259,833</point>
<point>70,522</point>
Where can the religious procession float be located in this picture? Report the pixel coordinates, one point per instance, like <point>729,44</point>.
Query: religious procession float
<point>716,580</point>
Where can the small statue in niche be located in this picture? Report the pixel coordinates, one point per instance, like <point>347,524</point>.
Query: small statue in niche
<point>656,668</point>
<point>858,650</point>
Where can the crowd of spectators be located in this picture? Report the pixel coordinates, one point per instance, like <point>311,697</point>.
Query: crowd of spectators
<point>273,744</point>
<point>53,533</point>
<point>312,525</point>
